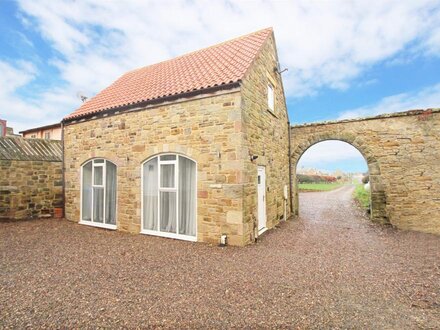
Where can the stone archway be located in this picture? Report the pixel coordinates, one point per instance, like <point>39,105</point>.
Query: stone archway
<point>402,151</point>
<point>378,197</point>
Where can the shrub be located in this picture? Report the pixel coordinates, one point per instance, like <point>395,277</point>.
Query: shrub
<point>303,178</point>
<point>362,196</point>
<point>366,179</point>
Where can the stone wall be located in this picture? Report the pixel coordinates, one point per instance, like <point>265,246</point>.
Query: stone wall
<point>29,189</point>
<point>402,151</point>
<point>207,129</point>
<point>31,180</point>
<point>266,136</point>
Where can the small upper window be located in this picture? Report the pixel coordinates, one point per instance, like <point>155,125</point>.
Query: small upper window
<point>47,135</point>
<point>270,98</point>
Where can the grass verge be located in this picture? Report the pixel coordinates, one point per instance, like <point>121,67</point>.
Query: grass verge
<point>362,196</point>
<point>319,186</point>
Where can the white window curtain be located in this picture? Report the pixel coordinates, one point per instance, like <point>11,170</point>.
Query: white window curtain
<point>168,212</point>
<point>187,197</point>
<point>98,204</point>
<point>99,193</point>
<point>110,194</point>
<point>151,191</point>
<point>169,196</point>
<point>87,192</point>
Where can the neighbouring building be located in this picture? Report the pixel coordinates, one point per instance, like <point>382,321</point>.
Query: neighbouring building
<point>48,132</point>
<point>3,127</point>
<point>191,148</point>
<point>5,130</point>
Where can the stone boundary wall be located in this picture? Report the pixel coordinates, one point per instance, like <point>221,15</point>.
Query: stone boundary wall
<point>30,178</point>
<point>422,113</point>
<point>402,151</point>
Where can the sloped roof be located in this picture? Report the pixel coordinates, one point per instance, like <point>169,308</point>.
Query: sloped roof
<point>18,148</point>
<point>218,65</point>
<point>40,128</point>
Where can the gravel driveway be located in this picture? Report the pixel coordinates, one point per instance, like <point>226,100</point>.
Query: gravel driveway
<point>330,268</point>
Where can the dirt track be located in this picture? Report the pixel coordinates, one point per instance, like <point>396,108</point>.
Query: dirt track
<point>329,269</point>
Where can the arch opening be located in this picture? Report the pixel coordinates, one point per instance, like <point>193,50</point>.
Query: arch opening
<point>336,162</point>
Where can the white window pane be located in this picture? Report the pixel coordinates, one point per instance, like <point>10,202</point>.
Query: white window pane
<point>187,197</point>
<point>151,191</point>
<point>167,176</point>
<point>270,97</point>
<point>110,194</point>
<point>98,175</point>
<point>87,192</point>
<point>98,205</point>
<point>168,212</point>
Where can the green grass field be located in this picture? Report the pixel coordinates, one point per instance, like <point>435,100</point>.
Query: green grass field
<point>362,196</point>
<point>319,186</point>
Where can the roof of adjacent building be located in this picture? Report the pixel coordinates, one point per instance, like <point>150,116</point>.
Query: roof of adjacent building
<point>35,129</point>
<point>216,66</point>
<point>18,148</point>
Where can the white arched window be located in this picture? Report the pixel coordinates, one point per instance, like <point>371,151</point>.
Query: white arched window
<point>169,197</point>
<point>98,193</point>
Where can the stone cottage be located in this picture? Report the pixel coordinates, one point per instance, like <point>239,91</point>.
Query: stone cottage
<point>191,148</point>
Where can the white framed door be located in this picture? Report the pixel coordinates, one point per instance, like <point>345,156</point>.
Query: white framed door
<point>261,193</point>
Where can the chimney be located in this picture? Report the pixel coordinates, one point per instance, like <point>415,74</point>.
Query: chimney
<point>3,128</point>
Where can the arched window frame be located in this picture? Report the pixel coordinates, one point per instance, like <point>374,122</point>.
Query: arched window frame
<point>98,162</point>
<point>176,179</point>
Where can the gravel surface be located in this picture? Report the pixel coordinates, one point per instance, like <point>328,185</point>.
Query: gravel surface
<point>331,268</point>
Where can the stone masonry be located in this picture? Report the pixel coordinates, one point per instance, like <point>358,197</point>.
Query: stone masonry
<point>402,151</point>
<point>30,178</point>
<point>219,131</point>
<point>266,135</point>
<point>206,129</point>
<point>223,127</point>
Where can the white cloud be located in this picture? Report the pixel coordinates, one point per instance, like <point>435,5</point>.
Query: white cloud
<point>330,151</point>
<point>428,97</point>
<point>324,44</point>
<point>22,114</point>
<point>332,154</point>
<point>14,77</point>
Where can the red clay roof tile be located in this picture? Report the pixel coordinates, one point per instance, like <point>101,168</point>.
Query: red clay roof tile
<point>217,65</point>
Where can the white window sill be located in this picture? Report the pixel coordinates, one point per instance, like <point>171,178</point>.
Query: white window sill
<point>262,230</point>
<point>97,224</point>
<point>169,235</point>
<point>272,112</point>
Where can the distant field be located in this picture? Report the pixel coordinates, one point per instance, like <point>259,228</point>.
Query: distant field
<point>319,186</point>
